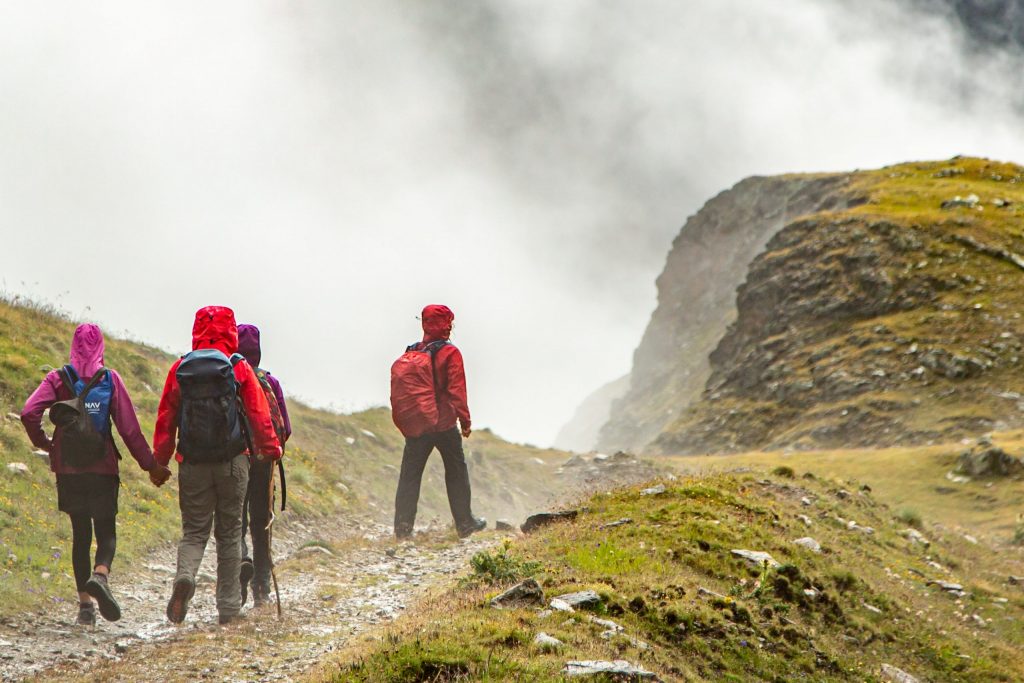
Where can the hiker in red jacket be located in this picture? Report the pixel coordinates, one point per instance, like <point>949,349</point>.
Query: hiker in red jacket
<point>199,418</point>
<point>449,389</point>
<point>87,490</point>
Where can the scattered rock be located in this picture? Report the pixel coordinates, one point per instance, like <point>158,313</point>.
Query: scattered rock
<point>1016,580</point>
<point>581,599</point>
<point>42,455</point>
<point>954,588</point>
<point>893,675</point>
<point>654,490</point>
<point>619,667</point>
<point>970,539</point>
<point>970,201</point>
<point>853,526</point>
<point>546,642</point>
<point>806,502</point>
<point>315,550</point>
<point>1001,203</point>
<point>871,608</point>
<point>341,487</point>
<point>503,525</point>
<point>843,494</point>
<point>805,519</point>
<point>523,594</point>
<point>539,520</point>
<point>561,605</point>
<point>14,416</point>
<point>757,558</point>
<point>809,543</point>
<point>368,433</point>
<point>18,468</point>
<point>916,536</point>
<point>575,461</point>
<point>701,590</point>
<point>618,522</point>
<point>607,624</point>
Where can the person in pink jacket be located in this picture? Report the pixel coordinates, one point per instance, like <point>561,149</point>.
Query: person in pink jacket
<point>88,494</point>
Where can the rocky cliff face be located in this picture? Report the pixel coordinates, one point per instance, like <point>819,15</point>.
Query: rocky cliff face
<point>581,432</point>
<point>895,321</point>
<point>697,296</point>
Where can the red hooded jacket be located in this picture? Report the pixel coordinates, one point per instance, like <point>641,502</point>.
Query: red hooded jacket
<point>449,369</point>
<point>215,328</point>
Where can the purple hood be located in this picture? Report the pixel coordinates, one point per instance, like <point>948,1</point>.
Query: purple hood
<point>249,344</point>
<point>87,350</point>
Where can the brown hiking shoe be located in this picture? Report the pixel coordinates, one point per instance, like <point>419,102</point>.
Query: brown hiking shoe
<point>181,594</point>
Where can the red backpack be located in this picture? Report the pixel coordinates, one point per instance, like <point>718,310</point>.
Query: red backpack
<point>413,391</point>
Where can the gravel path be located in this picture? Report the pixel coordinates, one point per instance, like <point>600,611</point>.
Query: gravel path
<point>329,597</point>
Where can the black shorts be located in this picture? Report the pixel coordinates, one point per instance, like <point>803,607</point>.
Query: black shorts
<point>88,495</point>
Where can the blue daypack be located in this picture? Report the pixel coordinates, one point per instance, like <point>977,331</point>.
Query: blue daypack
<point>97,401</point>
<point>84,420</point>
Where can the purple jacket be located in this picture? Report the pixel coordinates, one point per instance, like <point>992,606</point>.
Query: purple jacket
<point>87,359</point>
<point>249,346</point>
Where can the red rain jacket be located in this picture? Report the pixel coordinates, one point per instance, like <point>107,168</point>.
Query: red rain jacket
<point>215,328</point>
<point>449,369</point>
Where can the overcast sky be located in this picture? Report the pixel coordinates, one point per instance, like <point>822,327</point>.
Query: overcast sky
<point>328,168</point>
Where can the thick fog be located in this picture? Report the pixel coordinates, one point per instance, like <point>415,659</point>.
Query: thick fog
<point>327,168</point>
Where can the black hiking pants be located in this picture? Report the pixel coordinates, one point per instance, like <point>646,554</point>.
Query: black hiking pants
<point>456,479</point>
<point>259,514</point>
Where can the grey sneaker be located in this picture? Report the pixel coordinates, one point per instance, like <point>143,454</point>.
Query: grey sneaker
<point>86,614</point>
<point>99,589</point>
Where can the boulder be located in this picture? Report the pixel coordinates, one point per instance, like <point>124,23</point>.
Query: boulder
<point>534,522</point>
<point>654,490</point>
<point>757,558</point>
<point>809,543</point>
<point>619,667</point>
<point>988,461</point>
<point>524,594</point>
<point>503,525</point>
<point>18,468</point>
<point>546,642</point>
<point>893,675</point>
<point>581,599</point>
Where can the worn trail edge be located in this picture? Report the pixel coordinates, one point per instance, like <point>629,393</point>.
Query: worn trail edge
<point>331,592</point>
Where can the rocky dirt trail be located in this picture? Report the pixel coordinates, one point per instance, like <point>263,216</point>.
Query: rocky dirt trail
<point>331,593</point>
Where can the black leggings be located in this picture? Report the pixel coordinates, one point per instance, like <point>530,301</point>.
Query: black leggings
<point>81,544</point>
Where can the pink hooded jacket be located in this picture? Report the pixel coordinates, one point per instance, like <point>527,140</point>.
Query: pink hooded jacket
<point>87,359</point>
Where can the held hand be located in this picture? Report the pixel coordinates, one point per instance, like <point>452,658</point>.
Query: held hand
<point>466,431</point>
<point>159,474</point>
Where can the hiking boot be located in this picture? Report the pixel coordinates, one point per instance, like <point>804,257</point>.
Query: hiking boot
<point>260,595</point>
<point>99,589</point>
<point>479,524</point>
<point>245,575</point>
<point>86,614</point>
<point>225,619</point>
<point>177,607</point>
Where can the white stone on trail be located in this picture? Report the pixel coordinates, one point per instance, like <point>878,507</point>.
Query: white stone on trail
<point>368,433</point>
<point>654,490</point>
<point>806,502</point>
<point>970,539</point>
<point>314,550</point>
<point>546,642</point>
<point>18,468</point>
<point>871,608</point>
<point>350,440</point>
<point>809,543</point>
<point>893,675</point>
<point>757,558</point>
<point>619,667</point>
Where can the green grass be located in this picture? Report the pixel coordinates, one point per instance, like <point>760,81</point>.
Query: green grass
<point>869,606</point>
<point>335,469</point>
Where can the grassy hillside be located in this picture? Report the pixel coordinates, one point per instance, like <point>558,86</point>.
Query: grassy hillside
<point>337,464</point>
<point>893,318</point>
<point>692,611</point>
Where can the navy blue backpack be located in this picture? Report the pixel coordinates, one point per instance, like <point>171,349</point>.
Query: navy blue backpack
<point>211,423</point>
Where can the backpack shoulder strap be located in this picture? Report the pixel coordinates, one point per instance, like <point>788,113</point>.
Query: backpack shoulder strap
<point>236,358</point>
<point>68,376</point>
<point>96,379</point>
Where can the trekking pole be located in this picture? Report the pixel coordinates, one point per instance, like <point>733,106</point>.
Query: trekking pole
<point>270,536</point>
